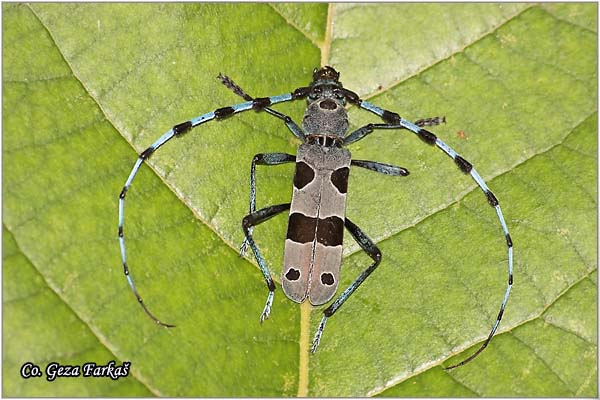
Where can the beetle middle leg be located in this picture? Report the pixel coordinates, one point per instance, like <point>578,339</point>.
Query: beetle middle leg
<point>373,251</point>
<point>250,220</point>
<point>262,159</point>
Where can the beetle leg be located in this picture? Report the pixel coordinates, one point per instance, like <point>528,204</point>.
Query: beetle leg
<point>373,251</point>
<point>248,222</point>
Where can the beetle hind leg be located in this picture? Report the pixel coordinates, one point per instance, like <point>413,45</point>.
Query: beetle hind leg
<point>373,251</point>
<point>248,222</point>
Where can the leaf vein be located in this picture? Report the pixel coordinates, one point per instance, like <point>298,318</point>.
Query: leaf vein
<point>544,362</point>
<point>462,49</point>
<point>53,288</point>
<point>556,17</point>
<point>564,329</point>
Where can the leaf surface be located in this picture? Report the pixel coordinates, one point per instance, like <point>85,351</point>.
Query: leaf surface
<point>87,87</point>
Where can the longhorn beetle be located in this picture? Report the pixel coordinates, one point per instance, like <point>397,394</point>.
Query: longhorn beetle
<point>313,246</point>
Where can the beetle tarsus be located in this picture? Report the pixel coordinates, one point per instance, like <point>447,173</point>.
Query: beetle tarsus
<point>317,339</point>
<point>267,309</point>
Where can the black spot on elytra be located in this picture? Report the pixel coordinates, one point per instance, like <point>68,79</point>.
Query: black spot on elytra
<point>292,274</point>
<point>304,175</point>
<point>339,178</point>
<point>327,279</point>
<point>330,231</point>
<point>301,229</point>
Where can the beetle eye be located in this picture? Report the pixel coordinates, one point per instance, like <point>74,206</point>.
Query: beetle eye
<point>316,92</point>
<point>338,94</point>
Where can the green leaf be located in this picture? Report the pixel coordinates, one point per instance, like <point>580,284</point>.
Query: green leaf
<point>87,87</point>
<point>30,335</point>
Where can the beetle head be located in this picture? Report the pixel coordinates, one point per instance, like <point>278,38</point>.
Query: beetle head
<point>325,113</point>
